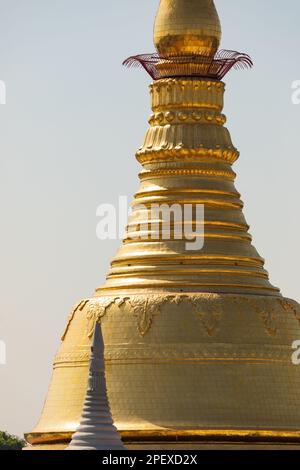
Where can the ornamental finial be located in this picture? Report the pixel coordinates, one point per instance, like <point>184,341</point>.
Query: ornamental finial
<point>187,27</point>
<point>187,36</point>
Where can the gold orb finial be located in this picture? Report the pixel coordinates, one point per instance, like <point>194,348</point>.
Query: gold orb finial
<point>187,27</point>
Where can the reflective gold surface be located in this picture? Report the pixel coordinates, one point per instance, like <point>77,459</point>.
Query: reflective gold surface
<point>198,343</point>
<point>184,27</point>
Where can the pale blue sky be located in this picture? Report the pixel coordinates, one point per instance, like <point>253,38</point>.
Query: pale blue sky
<point>68,133</point>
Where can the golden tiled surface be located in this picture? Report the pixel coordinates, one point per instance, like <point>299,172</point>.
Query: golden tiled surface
<point>199,362</point>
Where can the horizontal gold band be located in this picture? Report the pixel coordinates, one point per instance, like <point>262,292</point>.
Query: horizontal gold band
<point>148,201</point>
<point>178,259</point>
<point>186,191</point>
<point>206,223</point>
<point>186,284</point>
<point>180,154</point>
<point>142,236</point>
<point>183,435</point>
<point>181,271</point>
<point>145,175</point>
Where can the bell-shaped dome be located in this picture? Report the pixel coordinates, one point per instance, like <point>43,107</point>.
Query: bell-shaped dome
<point>187,27</point>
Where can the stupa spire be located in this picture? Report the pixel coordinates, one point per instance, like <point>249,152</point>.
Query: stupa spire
<point>96,430</point>
<point>198,342</point>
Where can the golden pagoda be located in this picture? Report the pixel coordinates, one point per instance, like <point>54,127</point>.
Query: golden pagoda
<point>198,343</point>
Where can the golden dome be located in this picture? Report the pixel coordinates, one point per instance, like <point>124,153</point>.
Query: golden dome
<point>187,27</point>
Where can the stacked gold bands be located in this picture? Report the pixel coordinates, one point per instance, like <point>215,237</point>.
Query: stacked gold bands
<point>187,156</point>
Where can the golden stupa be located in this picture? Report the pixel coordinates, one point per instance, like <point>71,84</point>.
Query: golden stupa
<point>198,343</point>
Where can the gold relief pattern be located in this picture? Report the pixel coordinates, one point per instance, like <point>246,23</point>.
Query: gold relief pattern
<point>291,306</point>
<point>209,310</point>
<point>168,94</point>
<point>187,123</point>
<point>264,308</point>
<point>177,299</point>
<point>270,320</point>
<point>181,142</point>
<point>207,307</point>
<point>70,358</point>
<point>213,352</point>
<point>174,152</point>
<point>79,306</point>
<point>269,317</point>
<point>175,172</point>
<point>97,308</point>
<point>191,117</point>
<point>144,309</point>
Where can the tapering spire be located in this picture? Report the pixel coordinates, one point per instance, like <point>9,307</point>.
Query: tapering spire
<point>96,430</point>
<point>187,27</point>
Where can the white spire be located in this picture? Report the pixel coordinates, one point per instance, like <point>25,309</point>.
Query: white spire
<point>96,430</point>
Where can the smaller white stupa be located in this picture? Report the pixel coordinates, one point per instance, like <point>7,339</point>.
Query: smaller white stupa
<point>96,430</point>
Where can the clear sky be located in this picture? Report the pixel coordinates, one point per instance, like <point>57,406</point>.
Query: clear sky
<point>68,133</point>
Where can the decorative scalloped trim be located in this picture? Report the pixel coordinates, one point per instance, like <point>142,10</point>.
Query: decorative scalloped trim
<point>79,306</point>
<point>208,308</point>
